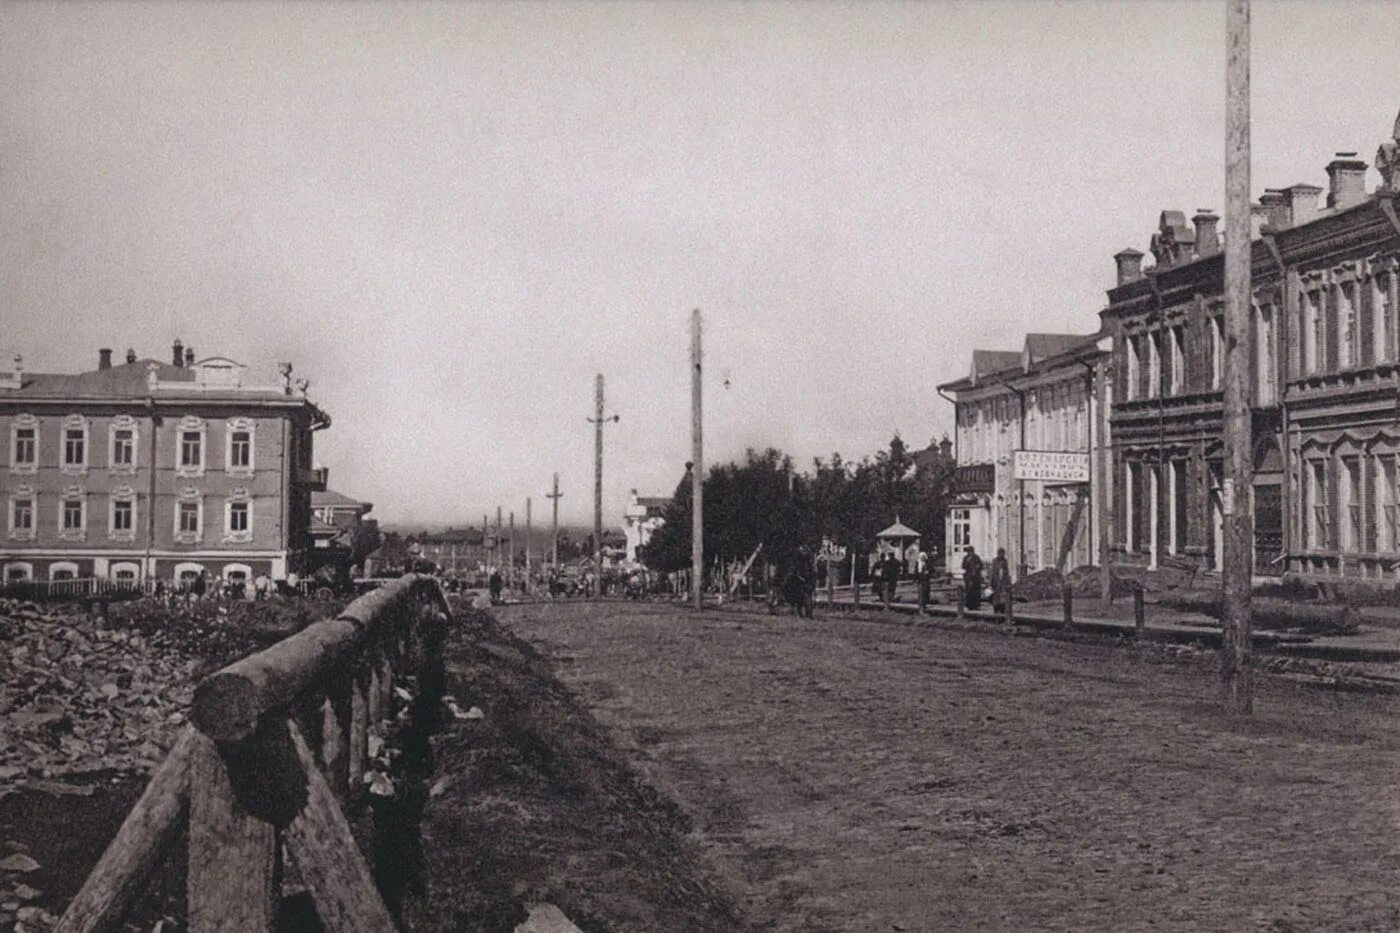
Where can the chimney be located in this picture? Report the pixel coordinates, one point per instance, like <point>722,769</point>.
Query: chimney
<point>1273,204</point>
<point>1302,203</point>
<point>104,358</point>
<point>1346,175</point>
<point>177,353</point>
<point>17,373</point>
<point>1129,265</point>
<point>130,355</point>
<point>1207,241</point>
<point>189,357</point>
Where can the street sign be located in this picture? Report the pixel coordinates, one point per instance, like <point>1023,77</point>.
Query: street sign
<point>1052,466</point>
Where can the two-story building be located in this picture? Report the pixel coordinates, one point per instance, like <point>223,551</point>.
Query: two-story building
<point>1325,378</point>
<point>458,552</point>
<point>1030,448</point>
<point>643,516</point>
<point>149,470</point>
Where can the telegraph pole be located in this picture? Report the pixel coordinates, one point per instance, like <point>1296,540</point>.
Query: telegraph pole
<point>697,468</point>
<point>510,558</point>
<point>554,524</point>
<point>498,538</point>
<point>598,420</point>
<point>1236,687</point>
<point>529,551</point>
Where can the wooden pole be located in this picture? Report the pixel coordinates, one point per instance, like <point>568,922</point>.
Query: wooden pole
<point>1139,612</point>
<point>1236,689</point>
<point>510,556</point>
<point>697,468</point>
<point>554,524</point>
<point>1103,486</point>
<point>232,854</point>
<point>529,527</point>
<point>598,480</point>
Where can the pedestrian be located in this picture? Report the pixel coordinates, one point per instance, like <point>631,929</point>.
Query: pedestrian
<point>889,576</point>
<point>495,585</point>
<point>972,579</point>
<point>199,586</point>
<point>1001,582</point>
<point>921,574</point>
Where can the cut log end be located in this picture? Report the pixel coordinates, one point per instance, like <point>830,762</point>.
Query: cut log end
<point>226,707</point>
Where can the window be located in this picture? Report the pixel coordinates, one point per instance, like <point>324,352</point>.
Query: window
<point>74,448</point>
<point>191,449</point>
<point>240,453</point>
<point>1134,367</point>
<point>1310,333</point>
<point>19,572</point>
<point>239,519</point>
<point>1351,504</point>
<point>123,447</point>
<point>1154,365</point>
<point>1319,530</point>
<point>1383,317</point>
<point>123,515</point>
<point>188,518</point>
<point>26,447</point>
<point>1348,346</point>
<point>1264,356</point>
<point>1178,359</point>
<point>22,517</point>
<point>72,516</point>
<point>1383,502</point>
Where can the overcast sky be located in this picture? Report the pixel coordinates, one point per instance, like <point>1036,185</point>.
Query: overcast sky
<point>451,217</point>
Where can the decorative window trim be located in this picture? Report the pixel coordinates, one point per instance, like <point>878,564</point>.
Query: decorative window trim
<point>118,495</point>
<point>23,493</point>
<point>186,566</point>
<point>72,494</point>
<point>238,496</point>
<point>74,423</point>
<point>191,424</point>
<point>19,423</point>
<point>67,565</point>
<point>123,423</point>
<point>189,495</point>
<point>127,565</point>
<point>234,426</point>
<point>12,565</point>
<point>230,569</point>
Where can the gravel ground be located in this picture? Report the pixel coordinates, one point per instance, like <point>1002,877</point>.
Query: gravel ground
<point>852,776</point>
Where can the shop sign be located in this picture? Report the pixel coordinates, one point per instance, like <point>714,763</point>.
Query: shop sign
<point>974,478</point>
<point>1052,466</point>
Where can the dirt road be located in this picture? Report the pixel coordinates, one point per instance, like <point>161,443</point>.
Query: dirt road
<point>852,776</point>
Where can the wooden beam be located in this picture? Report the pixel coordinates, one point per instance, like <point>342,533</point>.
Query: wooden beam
<point>120,875</point>
<point>233,854</point>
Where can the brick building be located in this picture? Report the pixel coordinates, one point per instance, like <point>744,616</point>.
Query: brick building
<point>148,470</point>
<point>458,552</point>
<point>1325,378</point>
<point>1029,442</point>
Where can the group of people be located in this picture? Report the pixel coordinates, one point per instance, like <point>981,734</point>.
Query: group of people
<point>999,584</point>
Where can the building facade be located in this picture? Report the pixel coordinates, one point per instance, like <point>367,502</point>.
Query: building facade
<point>149,470</point>
<point>458,552</point>
<point>1030,448</point>
<point>1324,376</point>
<point>643,516</point>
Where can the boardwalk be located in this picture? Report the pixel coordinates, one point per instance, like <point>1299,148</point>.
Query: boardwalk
<point>851,776</point>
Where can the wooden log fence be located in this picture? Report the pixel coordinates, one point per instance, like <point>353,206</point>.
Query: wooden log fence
<point>277,751</point>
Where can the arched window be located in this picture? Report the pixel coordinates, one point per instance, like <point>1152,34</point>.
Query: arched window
<point>63,570</point>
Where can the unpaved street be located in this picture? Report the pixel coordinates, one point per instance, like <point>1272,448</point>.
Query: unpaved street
<point>852,776</point>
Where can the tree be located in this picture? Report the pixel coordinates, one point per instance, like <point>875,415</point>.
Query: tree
<point>365,541</point>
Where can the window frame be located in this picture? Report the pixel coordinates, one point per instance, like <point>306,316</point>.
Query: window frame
<point>25,422</point>
<point>122,495</point>
<point>119,424</point>
<point>79,425</point>
<point>239,497</point>
<point>192,498</point>
<point>71,495</point>
<point>28,496</point>
<point>197,426</point>
<point>234,427</point>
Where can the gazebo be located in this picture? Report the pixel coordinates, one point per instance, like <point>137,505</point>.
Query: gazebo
<point>899,537</point>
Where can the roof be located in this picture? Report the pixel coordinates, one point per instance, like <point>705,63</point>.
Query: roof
<point>654,502</point>
<point>452,536</point>
<point>331,498</point>
<point>899,530</point>
<point>985,362</point>
<point>1041,346</point>
<point>131,381</point>
<point>1036,349</point>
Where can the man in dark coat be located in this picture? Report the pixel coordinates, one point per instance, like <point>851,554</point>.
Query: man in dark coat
<point>1000,581</point>
<point>889,575</point>
<point>495,585</point>
<point>972,579</point>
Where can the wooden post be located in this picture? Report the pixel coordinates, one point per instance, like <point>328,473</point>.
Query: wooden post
<point>233,855</point>
<point>328,858</point>
<point>1139,612</point>
<point>697,461</point>
<point>359,729</point>
<point>855,584</point>
<point>529,531</point>
<point>1008,610</point>
<point>335,734</point>
<point>1236,689</point>
<point>1069,605</point>
<point>120,875</point>
<point>832,568</point>
<point>554,524</point>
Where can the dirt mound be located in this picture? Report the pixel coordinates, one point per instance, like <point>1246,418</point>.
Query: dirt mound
<point>535,803</point>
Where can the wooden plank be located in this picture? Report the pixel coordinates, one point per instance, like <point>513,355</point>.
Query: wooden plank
<point>233,855</point>
<point>335,873</point>
<point>359,730</point>
<point>335,733</point>
<point>121,874</point>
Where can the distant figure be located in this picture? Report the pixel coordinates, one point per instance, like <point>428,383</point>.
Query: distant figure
<point>495,585</point>
<point>921,572</point>
<point>889,576</point>
<point>1001,581</point>
<point>972,579</point>
<point>200,585</point>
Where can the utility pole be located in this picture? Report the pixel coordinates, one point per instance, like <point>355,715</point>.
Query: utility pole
<point>1236,687</point>
<point>510,558</point>
<point>697,467</point>
<point>497,548</point>
<point>554,524</point>
<point>529,528</point>
<point>598,420</point>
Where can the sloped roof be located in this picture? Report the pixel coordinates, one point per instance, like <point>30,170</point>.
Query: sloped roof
<point>1041,346</point>
<point>331,498</point>
<point>899,530</point>
<point>985,362</point>
<point>129,381</point>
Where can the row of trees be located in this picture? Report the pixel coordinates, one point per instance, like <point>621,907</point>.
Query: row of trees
<point>763,500</point>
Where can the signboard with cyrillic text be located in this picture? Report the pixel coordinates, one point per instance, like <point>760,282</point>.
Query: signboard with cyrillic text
<point>1051,466</point>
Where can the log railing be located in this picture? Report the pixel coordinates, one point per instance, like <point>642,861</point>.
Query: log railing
<point>278,748</point>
